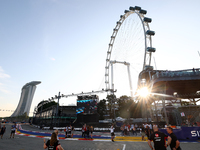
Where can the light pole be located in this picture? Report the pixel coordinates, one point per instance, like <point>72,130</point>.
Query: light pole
<point>57,107</point>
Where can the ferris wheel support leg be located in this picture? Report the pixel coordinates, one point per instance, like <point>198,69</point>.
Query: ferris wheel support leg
<point>112,82</point>
<point>129,76</point>
<point>150,59</point>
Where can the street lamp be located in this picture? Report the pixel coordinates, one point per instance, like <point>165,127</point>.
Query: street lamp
<point>58,97</point>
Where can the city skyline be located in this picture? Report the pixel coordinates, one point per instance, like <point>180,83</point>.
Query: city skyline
<point>64,44</point>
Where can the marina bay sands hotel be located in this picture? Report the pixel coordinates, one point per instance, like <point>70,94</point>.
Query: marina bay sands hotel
<point>26,98</point>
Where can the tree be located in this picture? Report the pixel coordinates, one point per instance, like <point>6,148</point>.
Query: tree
<point>111,99</point>
<point>124,104</point>
<point>101,109</point>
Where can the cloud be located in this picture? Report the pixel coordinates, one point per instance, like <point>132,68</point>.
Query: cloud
<point>3,74</point>
<point>3,90</point>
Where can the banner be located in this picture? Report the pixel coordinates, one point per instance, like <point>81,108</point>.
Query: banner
<point>185,133</point>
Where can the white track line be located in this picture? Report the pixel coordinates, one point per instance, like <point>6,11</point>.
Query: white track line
<point>103,140</point>
<point>124,146</point>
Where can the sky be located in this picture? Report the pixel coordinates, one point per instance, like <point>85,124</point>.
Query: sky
<point>64,44</point>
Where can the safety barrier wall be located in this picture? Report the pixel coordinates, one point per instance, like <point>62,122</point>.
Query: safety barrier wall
<point>185,133</point>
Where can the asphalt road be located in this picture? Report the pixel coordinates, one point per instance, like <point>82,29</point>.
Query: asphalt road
<point>33,143</point>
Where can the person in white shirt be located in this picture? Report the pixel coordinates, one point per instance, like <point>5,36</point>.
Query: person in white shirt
<point>131,129</point>
<point>69,130</point>
<point>112,133</point>
<point>154,125</point>
<point>150,126</point>
<point>125,129</point>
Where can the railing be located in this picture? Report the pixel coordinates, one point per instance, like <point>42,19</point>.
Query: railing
<point>195,116</point>
<point>180,73</point>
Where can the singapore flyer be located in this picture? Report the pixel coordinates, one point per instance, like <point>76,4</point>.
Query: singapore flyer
<point>129,51</point>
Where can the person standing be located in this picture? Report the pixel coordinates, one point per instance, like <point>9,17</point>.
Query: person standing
<point>88,131</point>
<point>72,131</point>
<point>131,128</point>
<point>91,131</point>
<point>154,125</point>
<point>159,140</point>
<point>69,130</point>
<point>172,140</point>
<point>134,130</point>
<point>147,131</point>
<point>85,130</point>
<point>3,130</point>
<point>13,128</point>
<point>53,143</point>
<point>136,126</point>
<point>56,132</point>
<point>125,129</point>
<point>128,129</point>
<point>143,132</point>
<point>122,129</point>
<point>112,132</point>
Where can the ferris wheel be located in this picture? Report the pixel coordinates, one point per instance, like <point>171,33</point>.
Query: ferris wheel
<point>130,45</point>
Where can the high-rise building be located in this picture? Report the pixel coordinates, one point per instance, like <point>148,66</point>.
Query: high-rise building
<point>26,98</point>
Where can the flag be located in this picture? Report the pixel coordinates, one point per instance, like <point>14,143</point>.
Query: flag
<point>182,114</point>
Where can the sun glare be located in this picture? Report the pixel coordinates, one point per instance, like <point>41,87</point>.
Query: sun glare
<point>143,92</point>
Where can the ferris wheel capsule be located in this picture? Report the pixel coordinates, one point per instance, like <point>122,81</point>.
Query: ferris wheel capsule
<point>131,8</point>
<point>143,12</point>
<point>147,19</point>
<point>137,8</point>
<point>151,49</point>
<point>149,32</point>
<point>126,11</point>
